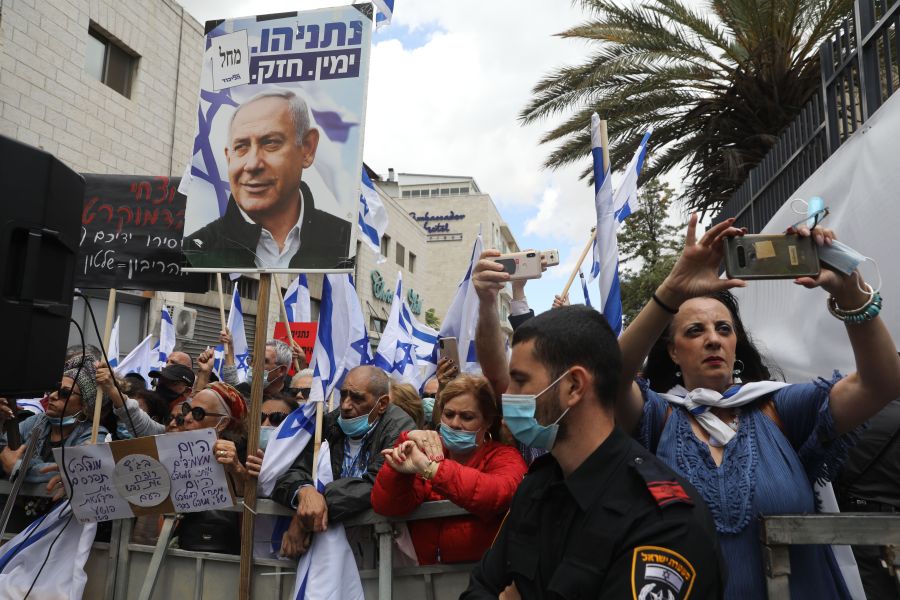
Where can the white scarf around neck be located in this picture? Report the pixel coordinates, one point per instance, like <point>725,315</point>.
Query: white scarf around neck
<point>699,400</point>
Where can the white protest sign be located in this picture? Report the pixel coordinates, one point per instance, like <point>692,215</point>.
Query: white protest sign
<point>198,481</point>
<point>175,472</point>
<point>230,60</point>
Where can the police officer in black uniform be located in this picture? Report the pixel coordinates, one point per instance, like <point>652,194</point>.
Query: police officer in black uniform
<point>599,516</point>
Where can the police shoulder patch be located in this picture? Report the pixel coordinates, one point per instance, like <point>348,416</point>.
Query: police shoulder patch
<point>660,574</point>
<point>661,483</point>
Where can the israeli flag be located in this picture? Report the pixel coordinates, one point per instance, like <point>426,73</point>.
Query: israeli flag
<point>287,442</point>
<point>584,290</point>
<point>141,360</point>
<point>113,350</point>
<point>235,325</point>
<point>49,555</point>
<point>425,339</point>
<point>328,569</point>
<point>625,198</point>
<point>385,12</point>
<point>373,218</point>
<point>296,301</point>
<point>396,353</point>
<point>606,249</point>
<point>462,315</point>
<point>342,340</point>
<point>166,343</point>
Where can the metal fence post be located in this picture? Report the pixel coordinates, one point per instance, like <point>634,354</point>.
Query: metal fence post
<point>385,533</point>
<point>867,55</point>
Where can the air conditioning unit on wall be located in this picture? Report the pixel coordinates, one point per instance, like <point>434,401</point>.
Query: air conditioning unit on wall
<point>184,319</point>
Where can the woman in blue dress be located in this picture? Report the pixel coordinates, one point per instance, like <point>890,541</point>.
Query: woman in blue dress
<point>706,406</point>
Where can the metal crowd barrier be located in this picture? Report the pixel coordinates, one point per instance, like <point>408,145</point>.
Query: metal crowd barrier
<point>778,533</point>
<point>116,568</point>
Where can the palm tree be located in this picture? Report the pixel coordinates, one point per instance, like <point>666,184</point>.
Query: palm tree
<point>718,84</point>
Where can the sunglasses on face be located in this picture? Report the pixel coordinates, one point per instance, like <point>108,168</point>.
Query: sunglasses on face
<point>198,412</point>
<point>63,393</point>
<point>179,420</point>
<point>275,418</point>
<point>428,396</point>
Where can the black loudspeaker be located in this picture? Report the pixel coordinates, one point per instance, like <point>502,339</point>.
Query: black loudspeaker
<point>41,201</point>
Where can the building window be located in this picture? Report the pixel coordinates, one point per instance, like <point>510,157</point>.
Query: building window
<point>401,254</point>
<point>109,63</point>
<point>406,193</point>
<point>377,325</point>
<point>454,190</point>
<point>445,191</point>
<point>435,192</point>
<point>412,262</point>
<point>416,193</point>
<point>464,190</point>
<point>385,245</point>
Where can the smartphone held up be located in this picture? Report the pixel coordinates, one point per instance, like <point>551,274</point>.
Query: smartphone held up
<point>527,264</point>
<point>777,256</point>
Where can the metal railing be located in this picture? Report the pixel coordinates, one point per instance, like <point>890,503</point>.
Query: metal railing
<point>860,65</point>
<point>778,533</point>
<point>120,550</point>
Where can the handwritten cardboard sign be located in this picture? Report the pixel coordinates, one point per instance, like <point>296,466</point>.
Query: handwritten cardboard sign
<point>131,230</point>
<point>175,472</point>
<point>304,335</point>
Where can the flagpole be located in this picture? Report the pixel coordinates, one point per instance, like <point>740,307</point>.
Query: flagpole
<point>604,144</point>
<point>287,324</point>
<point>587,248</point>
<point>256,393</point>
<point>107,331</point>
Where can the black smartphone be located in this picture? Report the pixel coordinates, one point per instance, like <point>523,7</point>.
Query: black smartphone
<point>778,256</point>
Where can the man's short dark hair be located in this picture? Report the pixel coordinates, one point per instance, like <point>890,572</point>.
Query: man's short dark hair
<point>576,335</point>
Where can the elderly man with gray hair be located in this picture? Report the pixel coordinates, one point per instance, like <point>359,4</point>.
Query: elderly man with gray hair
<point>271,220</point>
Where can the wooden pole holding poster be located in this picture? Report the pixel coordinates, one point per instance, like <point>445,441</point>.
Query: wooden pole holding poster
<point>107,331</point>
<point>604,144</point>
<point>221,301</point>
<point>256,393</point>
<point>287,324</point>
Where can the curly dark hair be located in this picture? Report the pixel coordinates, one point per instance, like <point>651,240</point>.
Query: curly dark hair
<point>660,370</point>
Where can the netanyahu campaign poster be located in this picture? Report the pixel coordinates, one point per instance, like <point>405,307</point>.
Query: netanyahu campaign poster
<point>274,180</point>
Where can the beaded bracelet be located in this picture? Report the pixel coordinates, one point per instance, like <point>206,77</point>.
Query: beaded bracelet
<point>866,312</point>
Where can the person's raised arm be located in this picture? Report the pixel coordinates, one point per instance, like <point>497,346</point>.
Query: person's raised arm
<point>876,382</point>
<point>489,278</point>
<point>205,363</point>
<point>105,382</point>
<point>696,273</point>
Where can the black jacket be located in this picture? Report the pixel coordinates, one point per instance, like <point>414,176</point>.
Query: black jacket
<point>230,241</point>
<point>622,525</point>
<point>345,496</point>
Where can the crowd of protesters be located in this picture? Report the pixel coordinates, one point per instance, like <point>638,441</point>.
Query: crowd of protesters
<point>588,465</point>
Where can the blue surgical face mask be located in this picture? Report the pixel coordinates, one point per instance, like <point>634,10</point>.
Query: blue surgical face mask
<point>457,440</point>
<point>357,426</point>
<point>518,414</point>
<point>265,433</point>
<point>64,421</point>
<point>428,407</point>
<point>265,374</point>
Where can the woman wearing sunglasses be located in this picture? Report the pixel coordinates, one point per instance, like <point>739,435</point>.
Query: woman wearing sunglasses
<point>479,474</point>
<point>67,422</point>
<point>273,412</point>
<point>222,408</point>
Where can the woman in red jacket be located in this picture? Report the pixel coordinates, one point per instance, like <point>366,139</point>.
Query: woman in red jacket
<point>479,474</point>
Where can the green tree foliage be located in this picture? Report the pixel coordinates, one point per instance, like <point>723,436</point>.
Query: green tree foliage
<point>431,320</point>
<point>718,82</point>
<point>648,247</point>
